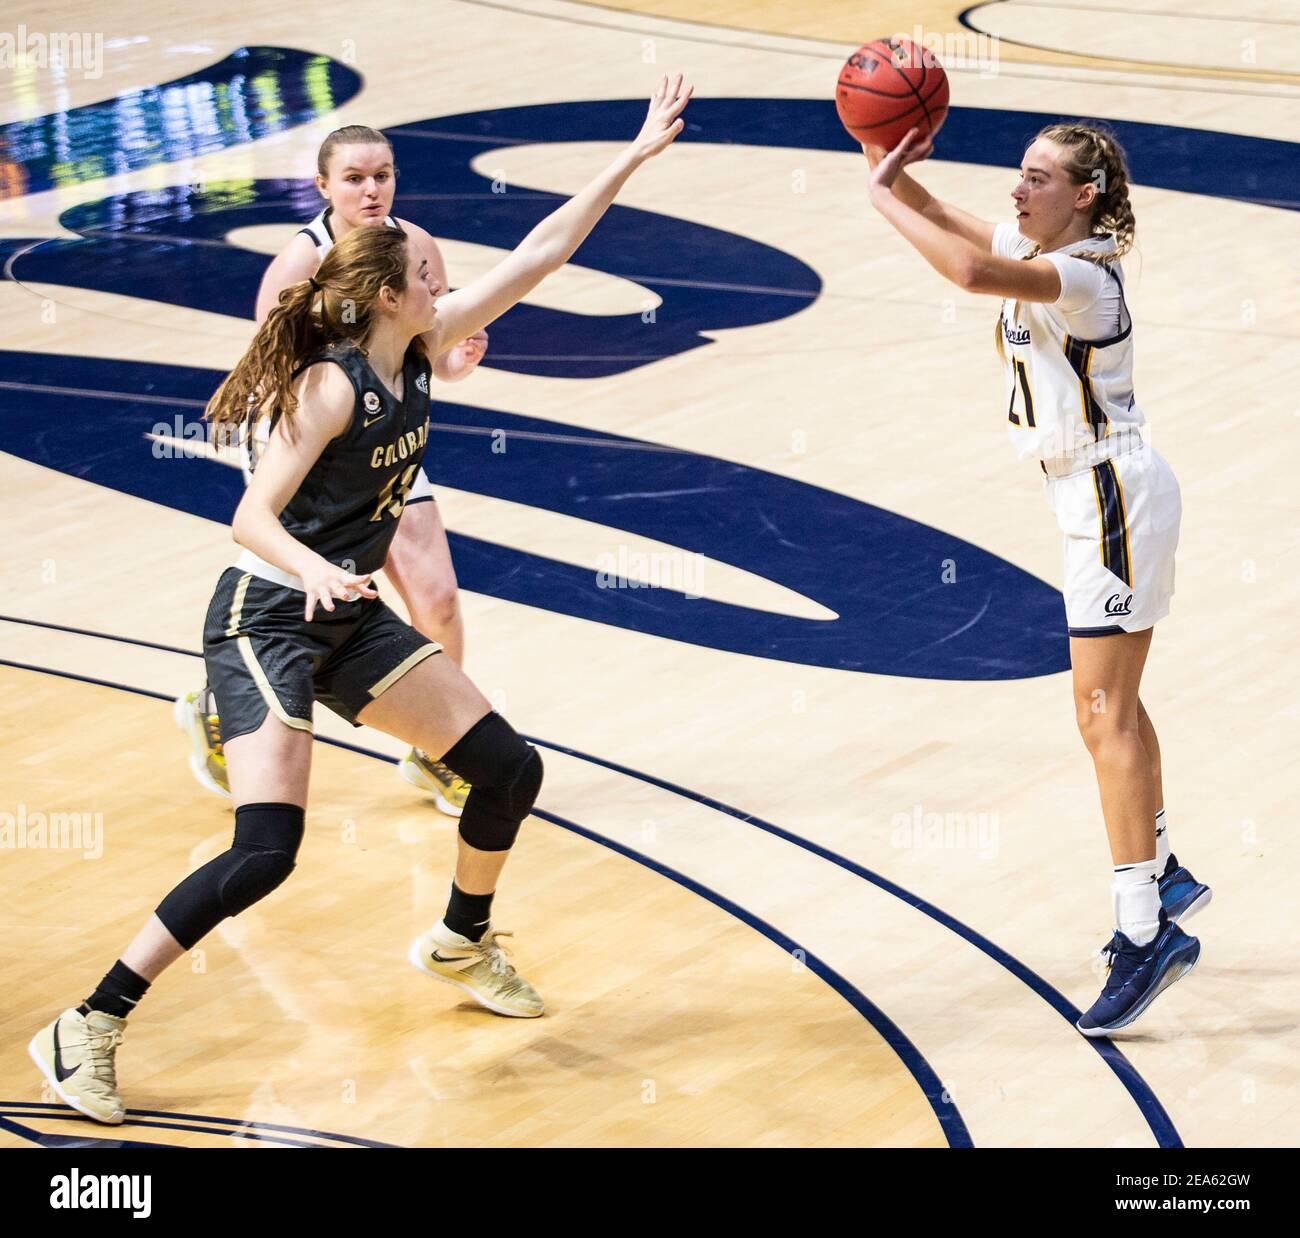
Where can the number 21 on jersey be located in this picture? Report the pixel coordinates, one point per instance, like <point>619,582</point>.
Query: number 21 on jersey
<point>1020,388</point>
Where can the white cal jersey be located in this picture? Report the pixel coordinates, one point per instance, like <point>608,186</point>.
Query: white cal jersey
<point>1069,363</point>
<point>320,235</point>
<point>323,238</point>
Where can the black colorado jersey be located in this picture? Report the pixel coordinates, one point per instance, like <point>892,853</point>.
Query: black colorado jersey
<point>347,507</point>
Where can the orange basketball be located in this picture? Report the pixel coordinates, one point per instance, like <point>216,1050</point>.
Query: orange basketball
<point>888,86</point>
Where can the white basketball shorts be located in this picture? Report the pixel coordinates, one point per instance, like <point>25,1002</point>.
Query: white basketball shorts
<point>421,490</point>
<point>1120,519</point>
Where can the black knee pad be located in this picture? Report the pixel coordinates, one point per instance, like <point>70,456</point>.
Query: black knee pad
<point>506,775</point>
<point>267,838</point>
<point>262,855</point>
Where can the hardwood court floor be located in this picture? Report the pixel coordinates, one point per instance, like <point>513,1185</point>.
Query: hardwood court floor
<point>744,930</point>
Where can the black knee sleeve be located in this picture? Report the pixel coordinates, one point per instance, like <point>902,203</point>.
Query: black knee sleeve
<point>267,837</point>
<point>506,775</point>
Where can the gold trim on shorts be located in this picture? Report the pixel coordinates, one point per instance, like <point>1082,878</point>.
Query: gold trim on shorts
<point>406,664</point>
<point>254,667</point>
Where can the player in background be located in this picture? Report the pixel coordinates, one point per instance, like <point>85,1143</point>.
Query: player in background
<point>1066,340</point>
<point>356,176</point>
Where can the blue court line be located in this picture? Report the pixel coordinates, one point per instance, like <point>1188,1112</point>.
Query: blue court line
<point>46,1139</point>
<point>950,1121</point>
<point>1153,1112</point>
<point>945,1111</point>
<point>243,1127</point>
<point>123,640</point>
<point>42,1137</point>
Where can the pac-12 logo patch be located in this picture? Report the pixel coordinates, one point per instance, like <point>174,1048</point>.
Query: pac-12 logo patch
<point>1115,605</point>
<point>422,384</point>
<point>371,401</point>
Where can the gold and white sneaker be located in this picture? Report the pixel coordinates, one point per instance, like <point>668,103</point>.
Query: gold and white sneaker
<point>481,968</point>
<point>75,1053</point>
<point>449,790</point>
<point>196,715</point>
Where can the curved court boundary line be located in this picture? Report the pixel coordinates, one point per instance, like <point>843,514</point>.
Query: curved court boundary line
<point>1230,75</point>
<point>945,1110</point>
<point>271,1132</point>
<point>1153,1112</point>
<point>1159,1121</point>
<point>1131,12</point>
<point>832,50</point>
<point>9,1122</point>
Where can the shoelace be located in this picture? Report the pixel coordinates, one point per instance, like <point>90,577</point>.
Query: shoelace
<point>1120,964</point>
<point>444,774</point>
<point>494,954</point>
<point>1108,952</point>
<point>99,1053</point>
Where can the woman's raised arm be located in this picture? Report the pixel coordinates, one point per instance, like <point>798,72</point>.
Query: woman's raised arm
<point>552,243</point>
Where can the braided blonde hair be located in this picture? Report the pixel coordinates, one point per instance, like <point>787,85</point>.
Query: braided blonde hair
<point>1092,155</point>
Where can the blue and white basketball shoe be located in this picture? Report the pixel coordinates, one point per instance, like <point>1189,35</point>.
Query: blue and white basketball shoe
<point>1181,895</point>
<point>1138,975</point>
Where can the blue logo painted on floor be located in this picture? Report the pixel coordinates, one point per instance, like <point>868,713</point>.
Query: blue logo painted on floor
<point>909,600</point>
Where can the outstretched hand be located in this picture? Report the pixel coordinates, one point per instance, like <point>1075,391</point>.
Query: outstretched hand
<point>663,119</point>
<point>887,166</point>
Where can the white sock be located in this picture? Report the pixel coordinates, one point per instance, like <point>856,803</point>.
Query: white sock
<point>1162,840</point>
<point>1135,896</point>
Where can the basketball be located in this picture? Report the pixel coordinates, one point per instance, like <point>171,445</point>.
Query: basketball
<point>888,86</point>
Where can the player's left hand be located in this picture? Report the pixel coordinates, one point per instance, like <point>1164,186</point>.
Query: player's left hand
<point>912,149</point>
<point>471,350</point>
<point>460,359</point>
<point>663,119</point>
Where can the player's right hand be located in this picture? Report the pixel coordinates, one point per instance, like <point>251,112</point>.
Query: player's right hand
<point>330,582</point>
<point>662,122</point>
<point>912,148</point>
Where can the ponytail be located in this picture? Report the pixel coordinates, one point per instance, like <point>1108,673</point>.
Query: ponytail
<point>263,378</point>
<point>338,303</point>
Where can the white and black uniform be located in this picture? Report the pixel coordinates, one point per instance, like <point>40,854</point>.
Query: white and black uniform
<point>1071,407</point>
<point>249,449</point>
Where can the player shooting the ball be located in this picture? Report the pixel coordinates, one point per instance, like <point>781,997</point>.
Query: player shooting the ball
<point>1066,340</point>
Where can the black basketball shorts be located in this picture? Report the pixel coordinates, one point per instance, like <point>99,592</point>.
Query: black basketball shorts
<point>262,655</point>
